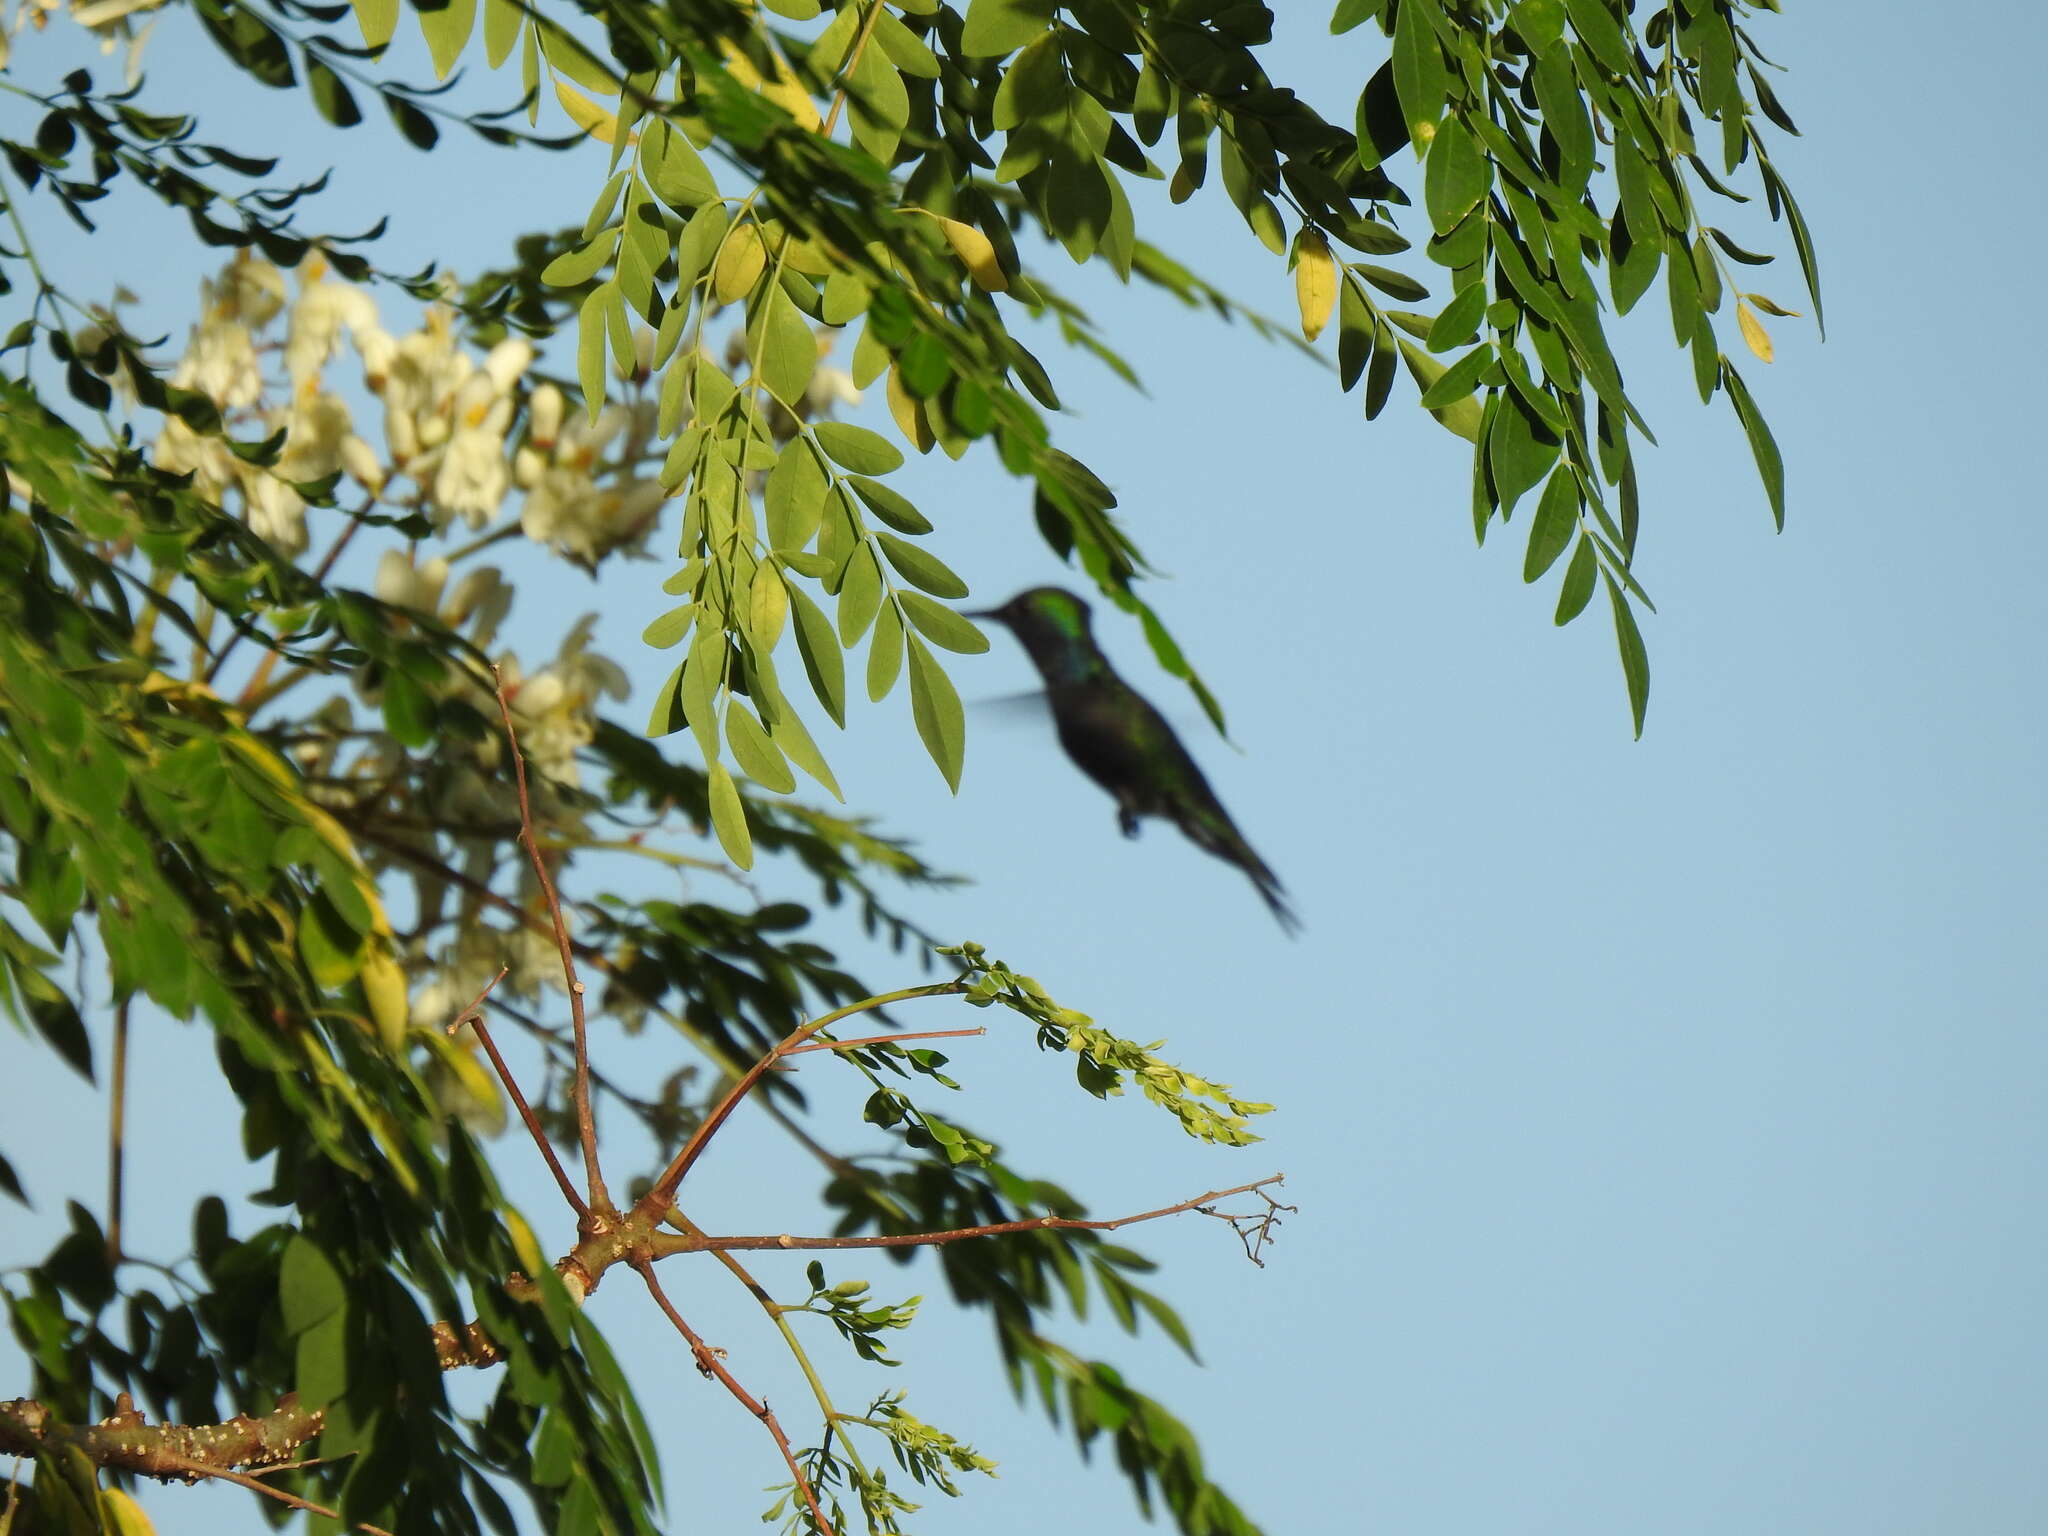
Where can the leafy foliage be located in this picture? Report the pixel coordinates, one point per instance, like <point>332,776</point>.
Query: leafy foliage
<point>237,789</point>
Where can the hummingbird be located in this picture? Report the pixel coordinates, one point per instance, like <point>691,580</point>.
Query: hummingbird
<point>1120,741</point>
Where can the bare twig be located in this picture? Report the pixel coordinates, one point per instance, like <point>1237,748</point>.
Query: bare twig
<point>709,1363</point>
<point>586,1123</point>
<point>659,1198</point>
<point>590,954</point>
<point>244,1480</point>
<point>666,1243</point>
<point>473,1016</point>
<point>854,1045</point>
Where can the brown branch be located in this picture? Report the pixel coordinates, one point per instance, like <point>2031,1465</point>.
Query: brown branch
<point>666,1243</point>
<point>243,1479</point>
<point>586,1123</point>
<point>126,1442</point>
<point>709,1363</point>
<point>590,954</point>
<point>658,1199</point>
<point>474,1018</point>
<point>854,1045</point>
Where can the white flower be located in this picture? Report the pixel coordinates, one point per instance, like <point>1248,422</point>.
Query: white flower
<point>473,475</point>
<point>220,362</point>
<point>275,512</point>
<point>830,387</point>
<point>484,595</point>
<point>250,290</point>
<point>401,582</point>
<point>544,411</point>
<point>506,361</point>
<point>182,451</point>
<point>323,311</point>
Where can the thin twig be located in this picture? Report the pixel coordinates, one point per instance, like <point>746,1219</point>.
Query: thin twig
<point>590,954</point>
<point>243,1479</point>
<point>854,1045</point>
<point>778,1314</point>
<point>709,1363</point>
<point>263,668</point>
<point>662,1195</point>
<point>665,1243</point>
<point>473,1016</point>
<point>586,1123</point>
<point>117,1117</point>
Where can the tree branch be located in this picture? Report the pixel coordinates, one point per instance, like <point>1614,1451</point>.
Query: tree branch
<point>586,1123</point>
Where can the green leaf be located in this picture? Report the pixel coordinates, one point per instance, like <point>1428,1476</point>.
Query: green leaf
<point>1770,464</point>
<point>936,708</point>
<point>1635,661</point>
<point>666,718</point>
<point>885,652</point>
<point>1420,78</point>
<point>789,734</point>
<point>409,710</point>
<point>941,625</point>
<point>670,628</point>
<point>590,347</point>
<point>1577,590</point>
<point>574,268</point>
<point>674,169</point>
<point>1397,285</point>
<point>1455,176</point>
<point>331,949</point>
<point>1555,522</point>
<point>1519,451</point>
<point>1458,381</point>
<point>1602,34</point>
<point>860,594</point>
<point>309,1288</point>
<point>996,27</point>
<point>824,662</point>
<point>1354,13</point>
<point>754,752</point>
<point>729,815</point>
<point>921,567</point>
<point>334,99</point>
<point>856,448</point>
<point>447,33</point>
<point>787,350</point>
<point>502,21</point>
<point>890,506</point>
<point>794,497</point>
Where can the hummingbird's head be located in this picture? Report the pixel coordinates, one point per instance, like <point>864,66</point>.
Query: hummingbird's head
<point>1052,625</point>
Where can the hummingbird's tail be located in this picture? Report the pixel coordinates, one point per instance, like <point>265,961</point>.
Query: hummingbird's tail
<point>1212,830</point>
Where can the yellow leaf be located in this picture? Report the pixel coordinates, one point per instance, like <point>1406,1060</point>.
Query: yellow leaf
<point>909,413</point>
<point>524,1243</point>
<point>123,1515</point>
<point>384,987</point>
<point>739,264</point>
<point>587,114</point>
<point>978,254</point>
<point>1315,282</point>
<point>1753,331</point>
<point>785,90</point>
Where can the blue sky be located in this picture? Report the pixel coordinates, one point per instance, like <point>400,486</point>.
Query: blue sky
<point>1665,1117</point>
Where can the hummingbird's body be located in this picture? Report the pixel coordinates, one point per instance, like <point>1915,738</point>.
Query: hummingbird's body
<point>1120,741</point>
